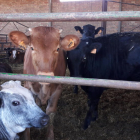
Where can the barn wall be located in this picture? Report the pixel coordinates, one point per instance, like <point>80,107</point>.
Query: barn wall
<point>75,7</point>
<point>42,6</point>
<point>130,25</point>
<point>22,6</point>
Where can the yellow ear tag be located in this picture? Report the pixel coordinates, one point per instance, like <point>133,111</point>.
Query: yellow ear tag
<point>93,51</point>
<point>22,44</point>
<point>99,31</point>
<point>71,44</point>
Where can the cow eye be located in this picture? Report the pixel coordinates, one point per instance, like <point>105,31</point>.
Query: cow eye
<point>57,49</point>
<point>15,103</point>
<point>32,48</point>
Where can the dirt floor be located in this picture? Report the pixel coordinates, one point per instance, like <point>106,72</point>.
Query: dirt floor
<point>119,116</point>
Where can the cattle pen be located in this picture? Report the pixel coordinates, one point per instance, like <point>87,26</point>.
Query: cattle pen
<point>74,17</point>
<point>73,81</point>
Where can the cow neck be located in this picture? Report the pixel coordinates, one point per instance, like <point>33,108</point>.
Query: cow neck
<point>87,38</point>
<point>3,132</point>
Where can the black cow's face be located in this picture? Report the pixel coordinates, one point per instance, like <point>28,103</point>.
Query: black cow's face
<point>88,31</point>
<point>77,58</point>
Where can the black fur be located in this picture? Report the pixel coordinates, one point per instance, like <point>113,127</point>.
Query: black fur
<point>118,58</point>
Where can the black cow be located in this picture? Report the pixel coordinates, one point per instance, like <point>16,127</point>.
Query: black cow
<point>88,30</point>
<point>4,67</point>
<point>115,56</point>
<point>17,56</point>
<point>8,51</point>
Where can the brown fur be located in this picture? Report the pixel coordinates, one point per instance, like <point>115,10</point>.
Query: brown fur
<point>46,59</point>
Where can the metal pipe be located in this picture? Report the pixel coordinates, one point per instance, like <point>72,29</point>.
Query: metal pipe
<point>78,16</point>
<point>4,26</point>
<point>120,23</point>
<point>50,11</point>
<point>104,9</point>
<point>73,80</point>
<point>16,26</point>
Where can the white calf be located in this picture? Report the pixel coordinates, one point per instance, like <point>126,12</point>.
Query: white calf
<point>18,110</point>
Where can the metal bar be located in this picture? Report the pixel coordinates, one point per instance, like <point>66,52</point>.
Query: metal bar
<point>120,22</point>
<point>5,42</point>
<point>16,26</point>
<point>104,9</point>
<point>4,26</point>
<point>6,39</point>
<point>50,11</point>
<point>22,25</point>
<point>3,34</point>
<point>124,3</point>
<point>74,81</point>
<point>4,58</point>
<point>82,16</point>
<point>134,28</point>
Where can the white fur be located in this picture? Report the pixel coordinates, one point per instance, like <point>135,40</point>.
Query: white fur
<point>15,87</point>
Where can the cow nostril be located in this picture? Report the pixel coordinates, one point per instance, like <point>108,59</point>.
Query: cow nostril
<point>44,120</point>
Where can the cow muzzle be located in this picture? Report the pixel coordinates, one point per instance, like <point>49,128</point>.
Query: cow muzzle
<point>45,74</point>
<point>44,120</point>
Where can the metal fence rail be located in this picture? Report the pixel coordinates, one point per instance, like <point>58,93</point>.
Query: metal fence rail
<point>73,81</point>
<point>78,16</point>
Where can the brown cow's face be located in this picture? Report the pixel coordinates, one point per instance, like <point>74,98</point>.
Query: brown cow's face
<point>44,43</point>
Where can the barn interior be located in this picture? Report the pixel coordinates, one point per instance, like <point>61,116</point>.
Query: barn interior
<point>119,117</point>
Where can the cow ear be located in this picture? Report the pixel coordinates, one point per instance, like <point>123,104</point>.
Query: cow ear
<point>78,28</point>
<point>70,42</point>
<point>19,38</point>
<point>95,47</point>
<point>99,30</point>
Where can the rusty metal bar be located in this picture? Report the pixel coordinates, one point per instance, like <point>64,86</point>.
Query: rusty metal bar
<point>78,16</point>
<point>73,80</point>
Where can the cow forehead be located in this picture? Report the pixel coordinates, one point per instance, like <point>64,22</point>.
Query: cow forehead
<point>13,87</point>
<point>14,52</point>
<point>45,32</point>
<point>44,37</point>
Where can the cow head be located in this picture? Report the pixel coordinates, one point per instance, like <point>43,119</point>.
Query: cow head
<point>78,57</point>
<point>44,44</point>
<point>18,110</point>
<point>89,30</point>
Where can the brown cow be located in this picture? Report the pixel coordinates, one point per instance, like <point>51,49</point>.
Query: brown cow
<point>45,55</point>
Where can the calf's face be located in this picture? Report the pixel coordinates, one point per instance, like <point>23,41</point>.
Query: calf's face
<point>18,109</point>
